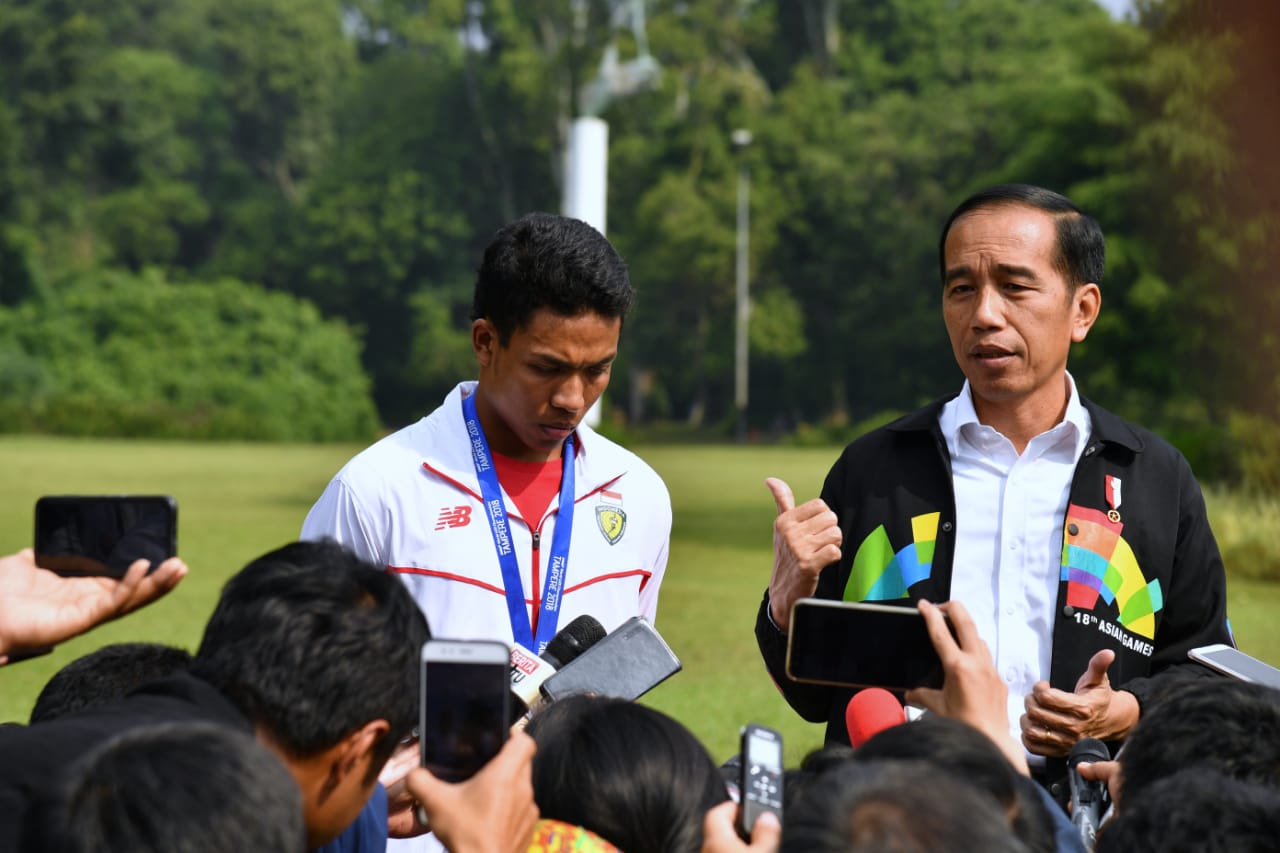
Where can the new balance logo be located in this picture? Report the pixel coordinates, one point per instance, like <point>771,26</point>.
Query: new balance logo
<point>454,516</point>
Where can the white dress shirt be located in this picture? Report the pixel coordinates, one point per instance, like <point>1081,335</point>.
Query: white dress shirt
<point>1010,510</point>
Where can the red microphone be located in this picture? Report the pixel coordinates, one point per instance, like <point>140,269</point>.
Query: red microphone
<point>870,712</point>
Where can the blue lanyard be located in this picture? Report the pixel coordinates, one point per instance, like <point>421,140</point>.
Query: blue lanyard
<point>500,527</point>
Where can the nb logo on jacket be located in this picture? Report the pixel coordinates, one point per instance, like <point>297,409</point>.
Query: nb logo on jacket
<point>453,516</point>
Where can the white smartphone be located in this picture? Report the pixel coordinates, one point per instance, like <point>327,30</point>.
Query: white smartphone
<point>465,705</point>
<point>1237,664</point>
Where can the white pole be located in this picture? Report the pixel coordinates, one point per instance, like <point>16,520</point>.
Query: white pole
<point>586,187</point>
<point>741,139</point>
<point>743,304</point>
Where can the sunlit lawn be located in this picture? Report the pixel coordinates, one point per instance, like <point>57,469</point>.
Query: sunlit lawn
<point>239,500</point>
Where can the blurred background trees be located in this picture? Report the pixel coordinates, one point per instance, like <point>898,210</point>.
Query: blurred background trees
<point>358,155</point>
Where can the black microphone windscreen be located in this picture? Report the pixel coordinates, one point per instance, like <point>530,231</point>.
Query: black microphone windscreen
<point>1088,749</point>
<point>572,640</point>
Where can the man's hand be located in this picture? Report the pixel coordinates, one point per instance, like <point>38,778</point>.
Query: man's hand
<point>1056,719</point>
<point>806,539</point>
<point>720,833</point>
<point>972,691</point>
<point>39,608</point>
<point>1108,773</point>
<point>402,808</point>
<point>493,811</point>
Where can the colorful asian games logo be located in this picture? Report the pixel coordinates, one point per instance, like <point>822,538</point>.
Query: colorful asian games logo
<point>880,574</point>
<point>1098,563</point>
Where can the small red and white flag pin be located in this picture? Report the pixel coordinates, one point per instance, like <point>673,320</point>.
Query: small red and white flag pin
<point>1113,498</point>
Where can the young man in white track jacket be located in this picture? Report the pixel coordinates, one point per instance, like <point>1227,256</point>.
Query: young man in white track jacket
<point>468,505</point>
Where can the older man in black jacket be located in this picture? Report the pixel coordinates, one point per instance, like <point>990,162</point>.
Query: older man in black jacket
<point>1078,541</point>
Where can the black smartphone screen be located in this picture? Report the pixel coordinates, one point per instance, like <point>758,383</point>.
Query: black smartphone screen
<point>104,534</point>
<point>465,710</point>
<point>861,645</point>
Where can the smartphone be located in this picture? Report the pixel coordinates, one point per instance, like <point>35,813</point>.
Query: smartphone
<point>856,644</point>
<point>80,535</point>
<point>1237,664</point>
<point>465,706</point>
<point>760,782</point>
<point>630,661</point>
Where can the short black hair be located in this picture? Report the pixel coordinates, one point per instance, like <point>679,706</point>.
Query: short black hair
<point>894,806</point>
<point>1220,724</point>
<point>1080,254</point>
<point>104,675</point>
<point>819,762</point>
<point>546,261</point>
<point>961,749</point>
<point>628,773</point>
<point>311,642</point>
<point>1196,809</point>
<point>177,788</point>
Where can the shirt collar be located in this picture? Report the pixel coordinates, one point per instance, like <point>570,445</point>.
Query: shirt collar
<point>959,413</point>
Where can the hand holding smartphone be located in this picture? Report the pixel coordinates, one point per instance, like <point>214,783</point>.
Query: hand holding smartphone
<point>465,705</point>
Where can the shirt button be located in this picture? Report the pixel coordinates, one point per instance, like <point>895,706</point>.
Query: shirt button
<point>1013,546</point>
<point>1008,611</point>
<point>1068,611</point>
<point>1073,529</point>
<point>1010,674</point>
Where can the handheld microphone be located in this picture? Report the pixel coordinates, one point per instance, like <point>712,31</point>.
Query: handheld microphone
<point>626,664</point>
<point>1087,798</point>
<point>870,712</point>
<point>529,671</point>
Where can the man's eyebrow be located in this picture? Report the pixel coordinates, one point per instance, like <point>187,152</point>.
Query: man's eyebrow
<point>560,364</point>
<point>964,271</point>
<point>1020,272</point>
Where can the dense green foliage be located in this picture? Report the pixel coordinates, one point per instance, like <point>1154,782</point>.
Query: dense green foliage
<point>126,355</point>
<point>359,154</point>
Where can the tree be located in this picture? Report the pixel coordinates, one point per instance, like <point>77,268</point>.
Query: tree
<point>111,353</point>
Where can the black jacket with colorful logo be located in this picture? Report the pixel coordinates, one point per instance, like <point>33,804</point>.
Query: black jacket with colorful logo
<point>1140,572</point>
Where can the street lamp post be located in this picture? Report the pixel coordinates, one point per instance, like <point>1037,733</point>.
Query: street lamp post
<point>741,139</point>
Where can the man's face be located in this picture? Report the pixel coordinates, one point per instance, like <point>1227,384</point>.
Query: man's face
<point>1009,313</point>
<point>535,390</point>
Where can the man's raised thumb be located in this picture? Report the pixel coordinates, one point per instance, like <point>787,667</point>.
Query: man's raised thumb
<point>1096,674</point>
<point>782,495</point>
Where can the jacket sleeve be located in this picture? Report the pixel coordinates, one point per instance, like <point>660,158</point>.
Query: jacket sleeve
<point>1195,604</point>
<point>338,515</point>
<point>658,565</point>
<point>813,702</point>
<point>810,701</point>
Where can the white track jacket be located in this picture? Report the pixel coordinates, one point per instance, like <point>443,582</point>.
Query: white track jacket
<point>411,502</point>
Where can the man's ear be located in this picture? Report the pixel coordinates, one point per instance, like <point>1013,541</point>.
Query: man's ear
<point>1086,302</point>
<point>354,752</point>
<point>484,341</point>
<point>363,741</point>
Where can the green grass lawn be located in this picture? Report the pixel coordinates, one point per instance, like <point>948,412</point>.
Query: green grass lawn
<point>237,501</point>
